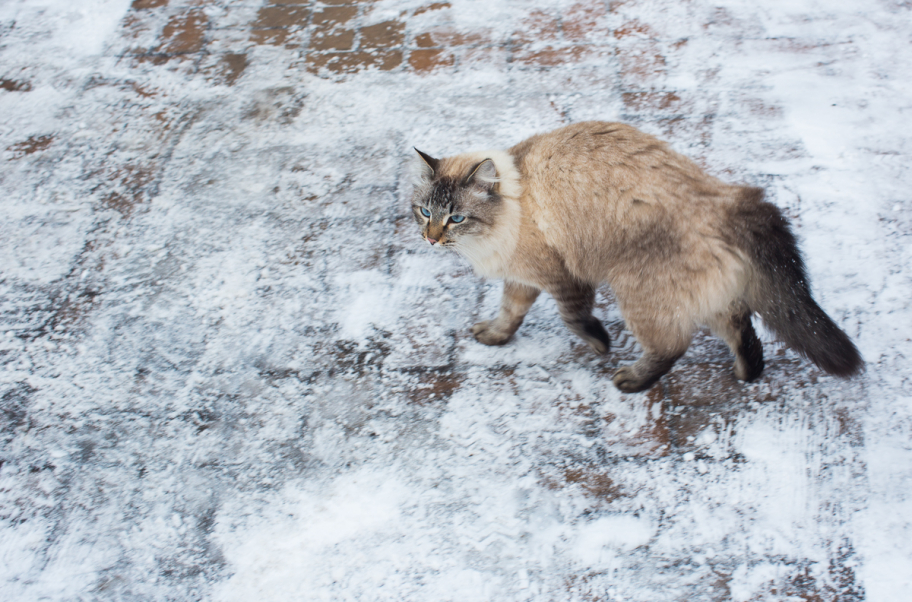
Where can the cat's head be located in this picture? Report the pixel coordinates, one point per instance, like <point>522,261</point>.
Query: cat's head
<point>456,199</point>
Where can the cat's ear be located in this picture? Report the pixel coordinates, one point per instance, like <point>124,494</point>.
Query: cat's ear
<point>483,175</point>
<point>429,165</point>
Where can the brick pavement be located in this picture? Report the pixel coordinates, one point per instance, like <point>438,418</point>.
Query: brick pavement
<point>220,42</point>
<point>336,39</point>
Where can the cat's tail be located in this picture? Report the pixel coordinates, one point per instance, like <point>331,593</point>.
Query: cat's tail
<point>779,290</point>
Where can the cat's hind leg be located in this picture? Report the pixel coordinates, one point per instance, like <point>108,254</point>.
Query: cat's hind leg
<point>737,331</point>
<point>514,305</point>
<point>575,301</point>
<point>645,372</point>
<point>662,347</point>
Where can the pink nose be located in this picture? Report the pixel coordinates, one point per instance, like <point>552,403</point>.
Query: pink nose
<point>432,240</point>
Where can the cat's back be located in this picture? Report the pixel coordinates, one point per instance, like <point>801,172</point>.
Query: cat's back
<point>606,158</point>
<point>571,144</point>
<point>597,189</point>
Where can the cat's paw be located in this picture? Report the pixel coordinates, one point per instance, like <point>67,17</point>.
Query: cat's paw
<point>597,336</point>
<point>747,372</point>
<point>592,331</point>
<point>487,333</point>
<point>627,380</point>
<point>598,346</point>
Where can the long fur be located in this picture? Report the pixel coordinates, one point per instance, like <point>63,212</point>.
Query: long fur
<point>780,291</point>
<point>599,202</point>
<point>490,254</point>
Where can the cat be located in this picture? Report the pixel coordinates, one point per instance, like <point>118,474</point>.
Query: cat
<point>602,202</point>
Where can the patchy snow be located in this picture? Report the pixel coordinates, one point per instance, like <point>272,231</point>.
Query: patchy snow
<point>230,370</point>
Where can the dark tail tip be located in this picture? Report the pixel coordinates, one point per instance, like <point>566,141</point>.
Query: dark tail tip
<point>828,346</point>
<point>842,358</point>
<point>782,294</point>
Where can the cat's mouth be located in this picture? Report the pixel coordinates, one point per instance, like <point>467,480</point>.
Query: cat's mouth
<point>439,243</point>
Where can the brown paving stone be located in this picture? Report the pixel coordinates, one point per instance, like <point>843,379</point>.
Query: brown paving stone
<point>702,384</point>
<point>800,583</point>
<point>642,64</point>
<point>582,19</point>
<point>32,145</point>
<point>341,39</point>
<point>849,427</point>
<point>351,62</point>
<point>425,41</point>
<point>144,4</point>
<point>633,28</point>
<point>143,92</point>
<point>696,411</point>
<point>13,86</point>
<point>130,183</point>
<point>273,37</point>
<point>227,40</point>
<point>444,37</point>
<point>429,59</point>
<point>652,439</point>
<point>155,59</point>
<point>650,101</point>
<point>539,26</point>
<point>176,63</point>
<point>389,60</point>
<point>184,33</point>
<point>241,17</point>
<point>435,388</point>
<point>429,8</point>
<point>337,15</point>
<point>548,57</point>
<point>593,482</point>
<point>271,17</point>
<point>135,26</point>
<point>121,203</point>
<point>706,395</point>
<point>233,65</point>
<point>698,130</point>
<point>383,35</point>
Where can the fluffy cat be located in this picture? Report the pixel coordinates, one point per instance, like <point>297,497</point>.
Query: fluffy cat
<point>599,202</point>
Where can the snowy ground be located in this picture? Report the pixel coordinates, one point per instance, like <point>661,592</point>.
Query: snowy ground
<point>230,369</point>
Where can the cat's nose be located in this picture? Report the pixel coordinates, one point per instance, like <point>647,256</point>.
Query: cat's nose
<point>433,241</point>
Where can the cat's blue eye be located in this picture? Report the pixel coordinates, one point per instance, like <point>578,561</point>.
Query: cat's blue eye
<point>456,219</point>
<point>425,212</point>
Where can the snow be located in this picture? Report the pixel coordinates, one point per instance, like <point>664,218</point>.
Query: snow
<point>230,369</point>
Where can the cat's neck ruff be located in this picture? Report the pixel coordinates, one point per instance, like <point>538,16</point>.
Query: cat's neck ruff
<point>491,253</point>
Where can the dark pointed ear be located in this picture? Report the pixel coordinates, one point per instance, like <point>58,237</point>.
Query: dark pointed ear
<point>483,175</point>
<point>431,163</point>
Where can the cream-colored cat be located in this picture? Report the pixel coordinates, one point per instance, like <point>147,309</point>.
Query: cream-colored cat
<point>599,202</point>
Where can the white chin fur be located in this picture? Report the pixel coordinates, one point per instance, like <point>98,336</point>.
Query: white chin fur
<point>490,254</point>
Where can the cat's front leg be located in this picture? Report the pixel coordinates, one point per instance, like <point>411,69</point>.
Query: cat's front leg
<point>515,304</point>
<point>575,301</point>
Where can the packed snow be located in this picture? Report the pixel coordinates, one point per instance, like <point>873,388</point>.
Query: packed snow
<point>230,369</point>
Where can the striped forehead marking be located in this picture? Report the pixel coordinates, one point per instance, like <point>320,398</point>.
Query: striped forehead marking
<point>443,194</point>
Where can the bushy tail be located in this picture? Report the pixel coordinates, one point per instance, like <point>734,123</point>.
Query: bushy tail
<point>779,290</point>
